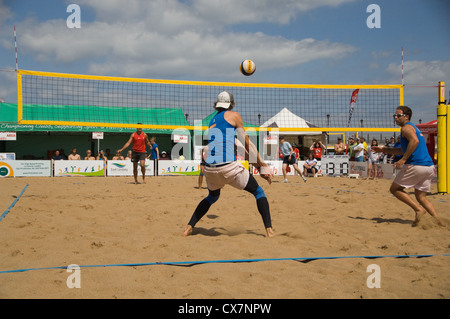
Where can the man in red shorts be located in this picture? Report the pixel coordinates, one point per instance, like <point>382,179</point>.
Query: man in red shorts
<point>139,139</point>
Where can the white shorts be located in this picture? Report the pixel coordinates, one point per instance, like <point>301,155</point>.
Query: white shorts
<point>415,176</point>
<point>233,174</point>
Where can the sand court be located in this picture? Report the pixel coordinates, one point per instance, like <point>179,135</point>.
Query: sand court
<point>124,230</point>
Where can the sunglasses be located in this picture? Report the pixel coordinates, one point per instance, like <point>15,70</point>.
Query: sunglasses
<point>399,115</point>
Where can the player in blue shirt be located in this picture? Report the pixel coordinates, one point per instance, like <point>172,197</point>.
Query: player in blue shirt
<point>417,168</point>
<point>221,167</point>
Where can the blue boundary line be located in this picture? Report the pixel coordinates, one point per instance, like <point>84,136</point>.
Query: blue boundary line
<point>13,203</point>
<point>193,263</point>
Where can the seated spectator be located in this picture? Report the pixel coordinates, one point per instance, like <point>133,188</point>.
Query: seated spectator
<point>164,156</point>
<point>310,165</point>
<point>118,157</point>
<point>128,157</point>
<point>89,156</point>
<point>74,156</point>
<point>57,156</point>
<point>101,156</point>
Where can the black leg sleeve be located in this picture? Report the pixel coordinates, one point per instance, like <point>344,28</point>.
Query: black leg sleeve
<point>263,208</point>
<point>199,212</point>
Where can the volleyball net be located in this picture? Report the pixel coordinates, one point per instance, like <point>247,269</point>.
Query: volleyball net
<point>46,98</point>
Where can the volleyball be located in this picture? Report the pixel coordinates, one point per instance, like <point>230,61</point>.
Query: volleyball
<point>248,67</point>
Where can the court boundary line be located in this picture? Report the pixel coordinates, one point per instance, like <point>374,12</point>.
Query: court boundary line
<point>13,203</point>
<point>223,261</point>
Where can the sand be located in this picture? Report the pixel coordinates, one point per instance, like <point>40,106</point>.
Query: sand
<point>111,221</point>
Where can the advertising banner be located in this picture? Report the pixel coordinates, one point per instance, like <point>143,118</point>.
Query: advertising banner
<point>21,168</point>
<point>125,168</point>
<point>79,168</point>
<point>178,168</point>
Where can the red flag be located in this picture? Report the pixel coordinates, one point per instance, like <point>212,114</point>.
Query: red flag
<point>352,105</point>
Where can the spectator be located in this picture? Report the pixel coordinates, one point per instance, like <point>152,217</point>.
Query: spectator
<point>297,152</point>
<point>74,156</point>
<point>339,147</point>
<point>57,156</point>
<point>317,148</point>
<point>155,150</point>
<point>164,156</point>
<point>128,157</point>
<point>350,146</point>
<point>108,154</point>
<point>101,156</point>
<point>118,156</point>
<point>359,151</point>
<point>390,144</point>
<point>397,144</point>
<point>374,160</point>
<point>89,156</point>
<point>61,152</point>
<point>288,158</point>
<point>310,165</point>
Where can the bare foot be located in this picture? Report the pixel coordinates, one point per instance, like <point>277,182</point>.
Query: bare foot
<point>419,215</point>
<point>187,231</point>
<point>441,223</point>
<point>270,232</point>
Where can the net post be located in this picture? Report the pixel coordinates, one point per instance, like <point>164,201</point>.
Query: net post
<point>19,97</point>
<point>442,139</point>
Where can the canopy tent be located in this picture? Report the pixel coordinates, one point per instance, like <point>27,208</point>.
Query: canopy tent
<point>287,119</point>
<point>429,130</point>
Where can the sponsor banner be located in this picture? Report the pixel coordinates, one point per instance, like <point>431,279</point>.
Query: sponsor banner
<point>178,168</point>
<point>6,169</point>
<point>8,136</point>
<point>7,156</point>
<point>78,168</point>
<point>25,168</point>
<point>125,168</point>
<point>276,168</point>
<point>361,168</point>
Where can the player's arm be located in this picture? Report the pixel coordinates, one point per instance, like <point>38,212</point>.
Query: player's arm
<point>127,143</point>
<point>147,141</point>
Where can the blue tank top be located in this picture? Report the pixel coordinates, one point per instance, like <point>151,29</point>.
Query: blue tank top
<point>420,156</point>
<point>220,140</point>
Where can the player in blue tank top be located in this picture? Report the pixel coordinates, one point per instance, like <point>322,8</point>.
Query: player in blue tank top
<point>416,166</point>
<point>220,140</point>
<point>221,167</point>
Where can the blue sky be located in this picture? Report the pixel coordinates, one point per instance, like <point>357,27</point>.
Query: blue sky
<point>291,41</point>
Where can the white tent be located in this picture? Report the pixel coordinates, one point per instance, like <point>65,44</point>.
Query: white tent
<point>287,119</point>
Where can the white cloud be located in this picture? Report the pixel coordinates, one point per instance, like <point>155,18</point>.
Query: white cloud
<point>421,72</point>
<point>165,38</point>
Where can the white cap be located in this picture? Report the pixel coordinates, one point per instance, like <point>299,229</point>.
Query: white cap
<point>224,100</point>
